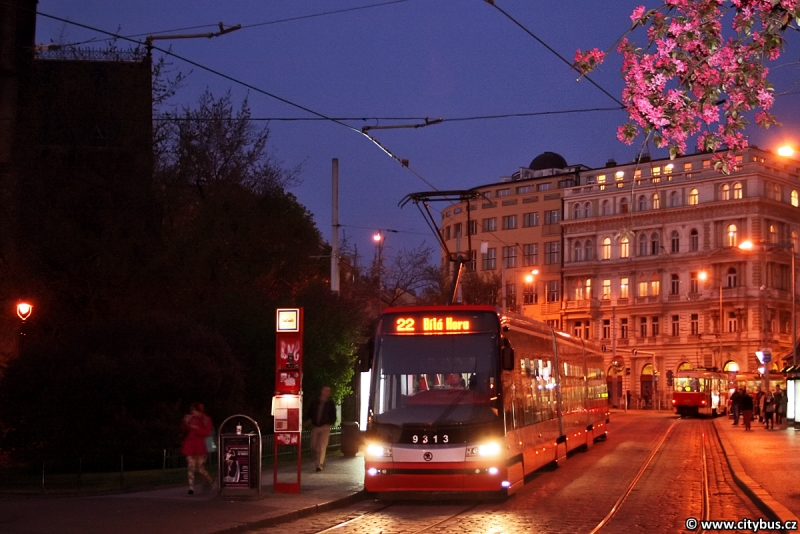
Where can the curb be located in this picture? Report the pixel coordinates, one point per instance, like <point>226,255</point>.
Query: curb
<point>297,514</point>
<point>765,502</point>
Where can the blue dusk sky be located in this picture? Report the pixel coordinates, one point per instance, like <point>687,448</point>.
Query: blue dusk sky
<point>504,96</point>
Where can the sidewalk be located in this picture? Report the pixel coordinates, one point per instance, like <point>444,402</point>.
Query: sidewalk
<point>765,464</point>
<point>172,510</point>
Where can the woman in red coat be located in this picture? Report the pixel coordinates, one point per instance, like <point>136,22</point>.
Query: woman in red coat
<point>197,426</point>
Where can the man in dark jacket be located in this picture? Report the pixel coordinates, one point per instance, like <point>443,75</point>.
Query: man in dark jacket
<point>321,415</point>
<point>746,403</point>
<point>736,407</point>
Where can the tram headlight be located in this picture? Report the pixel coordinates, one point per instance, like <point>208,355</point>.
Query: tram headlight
<point>379,451</point>
<point>484,449</point>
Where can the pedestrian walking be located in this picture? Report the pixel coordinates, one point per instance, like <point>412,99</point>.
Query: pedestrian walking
<point>781,403</point>
<point>757,406</point>
<point>322,415</point>
<point>197,426</point>
<point>736,407</point>
<point>768,403</point>
<point>746,404</point>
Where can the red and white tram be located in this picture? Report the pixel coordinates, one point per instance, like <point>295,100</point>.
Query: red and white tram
<point>470,399</point>
<point>700,392</point>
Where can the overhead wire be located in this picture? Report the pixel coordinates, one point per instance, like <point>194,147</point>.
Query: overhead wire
<point>257,89</point>
<point>551,49</point>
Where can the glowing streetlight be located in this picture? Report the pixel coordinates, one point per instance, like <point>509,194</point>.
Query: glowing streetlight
<point>529,278</point>
<point>786,151</point>
<point>377,238</point>
<point>24,310</point>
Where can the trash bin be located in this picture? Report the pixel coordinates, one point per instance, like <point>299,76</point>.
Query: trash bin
<point>351,439</point>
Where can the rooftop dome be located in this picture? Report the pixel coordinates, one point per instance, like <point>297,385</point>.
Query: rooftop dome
<point>548,160</point>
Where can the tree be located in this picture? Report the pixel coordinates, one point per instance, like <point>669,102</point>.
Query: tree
<point>483,288</point>
<point>691,79</point>
<point>409,273</point>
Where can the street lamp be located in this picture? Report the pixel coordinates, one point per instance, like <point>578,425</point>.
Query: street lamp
<point>748,245</point>
<point>24,310</point>
<point>377,238</point>
<point>704,276</point>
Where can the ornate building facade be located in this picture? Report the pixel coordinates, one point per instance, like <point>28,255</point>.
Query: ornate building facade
<point>646,259</point>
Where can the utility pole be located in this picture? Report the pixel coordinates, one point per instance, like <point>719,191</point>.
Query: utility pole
<point>335,226</point>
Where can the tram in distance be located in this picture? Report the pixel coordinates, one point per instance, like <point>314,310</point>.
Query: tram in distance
<point>470,399</point>
<point>700,392</point>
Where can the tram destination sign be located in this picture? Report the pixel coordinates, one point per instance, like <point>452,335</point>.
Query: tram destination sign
<point>439,322</point>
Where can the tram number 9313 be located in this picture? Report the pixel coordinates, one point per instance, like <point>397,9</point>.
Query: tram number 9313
<point>425,439</point>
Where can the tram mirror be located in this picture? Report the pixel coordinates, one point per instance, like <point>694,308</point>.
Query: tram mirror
<point>507,355</point>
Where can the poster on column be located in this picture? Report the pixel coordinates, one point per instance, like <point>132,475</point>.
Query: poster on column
<point>236,462</point>
<point>289,352</point>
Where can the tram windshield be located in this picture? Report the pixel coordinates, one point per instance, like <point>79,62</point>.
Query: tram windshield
<point>435,379</point>
<point>689,385</point>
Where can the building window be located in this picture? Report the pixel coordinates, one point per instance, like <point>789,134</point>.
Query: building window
<point>552,217</point>
<point>472,263</point>
<point>794,197</point>
<point>694,197</point>
<point>644,246</point>
<point>641,291</point>
<point>552,253</point>
<point>730,235</point>
<point>509,257</point>
<point>624,247</point>
<point>694,323</point>
<point>655,285</point>
<point>724,192</point>
<point>503,192</point>
<point>588,250</point>
<point>576,211</point>
<point>795,242</point>
<point>446,233</point>
<point>509,222</point>
<point>642,203</point>
<point>530,219</point>
<point>776,191</point>
<point>623,328</point>
<point>773,234</point>
<point>694,282</point>
<point>623,288</point>
<point>605,208</point>
<point>607,289</point>
<point>623,205</point>
<point>656,201</point>
<point>577,330</point>
<point>675,285</point>
<point>587,210</point>
<point>552,291</point>
<point>578,293</point>
<point>676,325</point>
<point>530,254</point>
<point>490,224</point>
<point>490,259</point>
<point>731,277</point>
<point>675,241</point>
<point>529,295</point>
<point>732,322</point>
<point>523,189</point>
<point>606,329</point>
<point>694,240</point>
<point>654,324</point>
<point>655,243</point>
<point>674,200</point>
<point>473,227</point>
<point>601,181</point>
<point>605,250</point>
<point>511,295</point>
<point>737,190</point>
<point>642,326</point>
<point>543,187</point>
<point>687,168</point>
<point>577,252</point>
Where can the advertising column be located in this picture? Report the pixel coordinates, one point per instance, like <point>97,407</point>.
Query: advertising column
<point>287,403</point>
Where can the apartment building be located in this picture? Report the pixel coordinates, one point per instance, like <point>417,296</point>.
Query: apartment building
<point>645,259</point>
